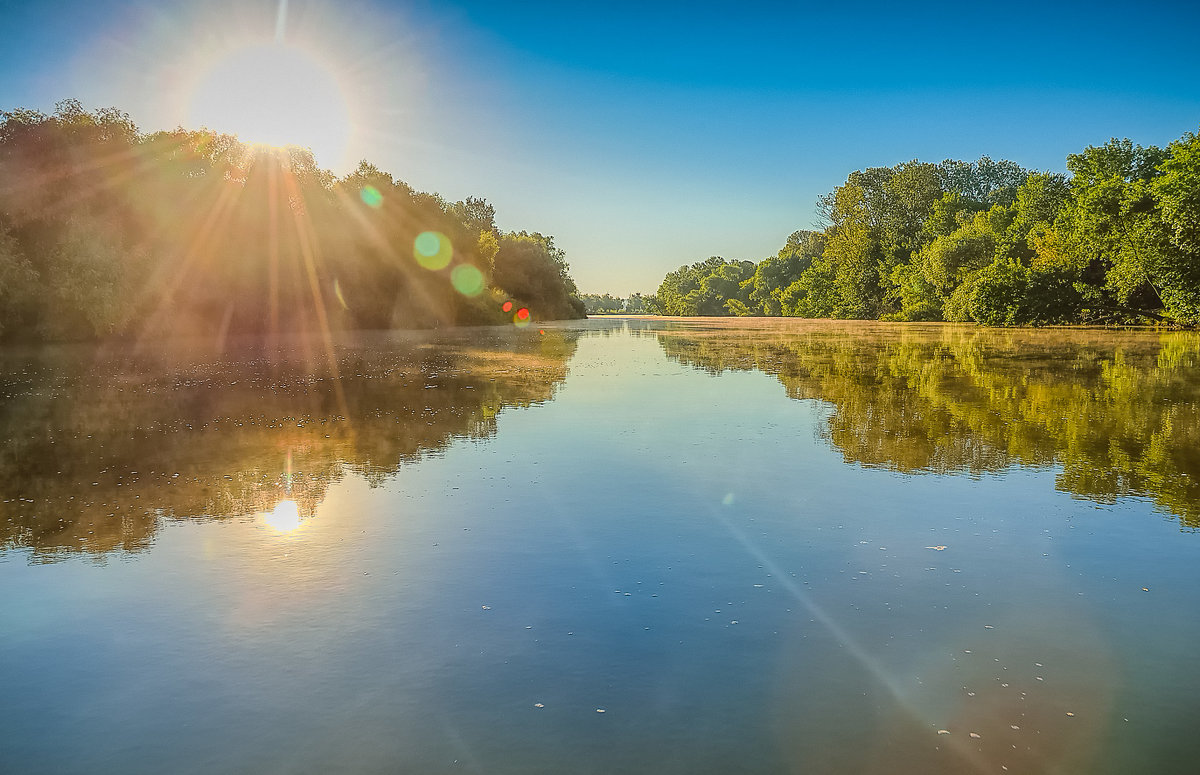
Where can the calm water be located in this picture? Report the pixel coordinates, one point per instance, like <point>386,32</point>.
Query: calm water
<point>615,546</point>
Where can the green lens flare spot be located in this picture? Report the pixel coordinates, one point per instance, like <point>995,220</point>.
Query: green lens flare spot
<point>522,318</point>
<point>371,197</point>
<point>467,280</point>
<point>432,250</point>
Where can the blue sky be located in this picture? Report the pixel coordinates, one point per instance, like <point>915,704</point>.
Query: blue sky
<point>646,136</point>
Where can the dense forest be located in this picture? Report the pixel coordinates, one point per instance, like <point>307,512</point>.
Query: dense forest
<point>106,230</point>
<point>1115,241</point>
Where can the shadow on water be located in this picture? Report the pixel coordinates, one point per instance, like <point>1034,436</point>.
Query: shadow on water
<point>101,447</point>
<point>1118,411</point>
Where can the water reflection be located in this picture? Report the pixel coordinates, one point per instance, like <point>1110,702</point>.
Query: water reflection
<point>1117,410</point>
<point>285,517</point>
<point>100,448</point>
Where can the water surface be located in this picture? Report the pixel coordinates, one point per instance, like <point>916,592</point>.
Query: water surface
<point>630,545</point>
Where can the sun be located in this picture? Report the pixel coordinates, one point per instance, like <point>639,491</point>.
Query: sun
<point>275,94</point>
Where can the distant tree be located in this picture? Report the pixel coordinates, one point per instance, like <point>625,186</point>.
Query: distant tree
<point>637,304</point>
<point>606,304</point>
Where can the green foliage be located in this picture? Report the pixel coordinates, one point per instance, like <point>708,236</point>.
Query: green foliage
<point>1008,293</point>
<point>107,231</point>
<point>18,285</point>
<point>773,275</point>
<point>1126,235</point>
<point>972,246</point>
<point>1178,192</point>
<point>637,304</point>
<point>988,241</point>
<point>814,295</point>
<point>704,287</point>
<point>89,278</point>
<point>530,268</point>
<point>998,295</point>
<point>985,182</point>
<point>919,297</point>
<point>606,304</point>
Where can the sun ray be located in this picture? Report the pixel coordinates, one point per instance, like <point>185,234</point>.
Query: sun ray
<point>379,240</point>
<point>308,248</point>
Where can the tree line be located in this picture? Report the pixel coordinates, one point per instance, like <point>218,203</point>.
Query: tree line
<point>1115,241</point>
<point>106,230</point>
<point>607,304</point>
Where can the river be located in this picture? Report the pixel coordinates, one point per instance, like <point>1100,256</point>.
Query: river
<point>618,545</point>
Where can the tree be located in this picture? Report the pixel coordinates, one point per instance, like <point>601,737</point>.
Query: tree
<point>637,304</point>
<point>1118,236</point>
<point>773,275</point>
<point>532,269</point>
<point>704,287</point>
<point>106,231</point>
<point>606,304</point>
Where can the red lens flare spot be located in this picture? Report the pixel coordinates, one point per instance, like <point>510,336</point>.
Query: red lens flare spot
<point>522,314</point>
<point>507,306</point>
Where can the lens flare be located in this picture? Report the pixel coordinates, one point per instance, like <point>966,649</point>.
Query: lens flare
<point>371,197</point>
<point>433,250</point>
<point>467,280</point>
<point>507,306</point>
<point>521,319</point>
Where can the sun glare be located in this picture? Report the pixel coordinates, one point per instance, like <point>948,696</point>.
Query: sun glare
<point>285,518</point>
<point>277,95</point>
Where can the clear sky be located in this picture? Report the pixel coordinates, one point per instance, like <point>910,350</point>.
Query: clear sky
<point>641,135</point>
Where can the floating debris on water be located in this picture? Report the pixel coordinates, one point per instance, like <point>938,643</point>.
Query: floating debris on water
<point>940,548</point>
<point>975,735</point>
<point>943,731</point>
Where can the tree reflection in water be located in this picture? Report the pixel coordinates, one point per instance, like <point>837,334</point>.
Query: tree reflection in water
<point>100,447</point>
<point>1116,410</point>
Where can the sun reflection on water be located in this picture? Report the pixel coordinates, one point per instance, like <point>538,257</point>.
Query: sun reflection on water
<point>284,518</point>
